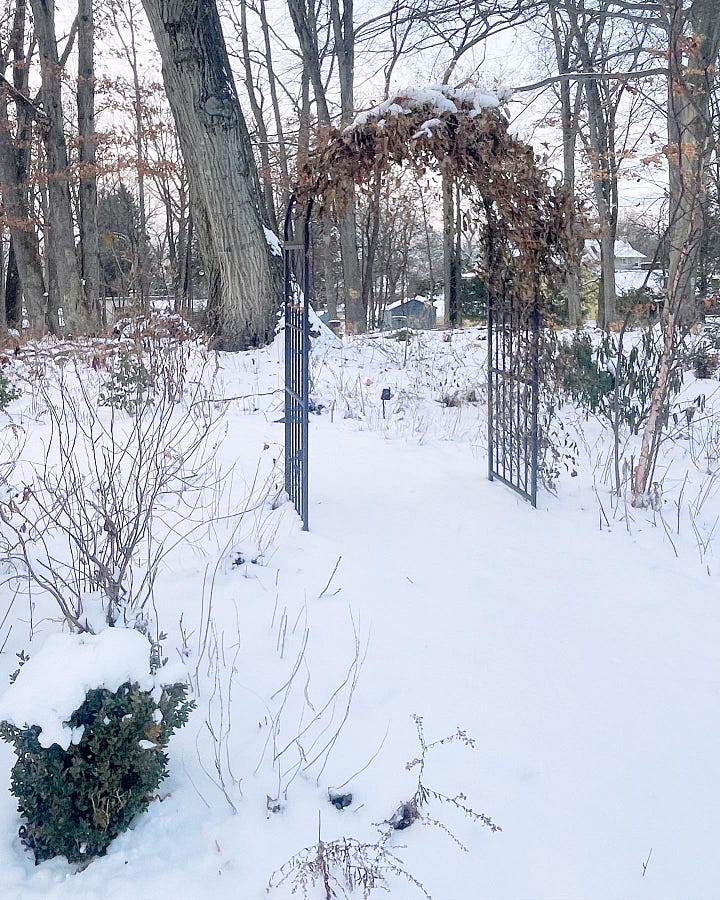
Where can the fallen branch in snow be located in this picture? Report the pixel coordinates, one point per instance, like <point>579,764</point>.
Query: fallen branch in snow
<point>647,862</point>
<point>240,397</point>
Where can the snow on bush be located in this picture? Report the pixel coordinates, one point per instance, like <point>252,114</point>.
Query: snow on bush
<point>73,664</point>
<point>89,725</point>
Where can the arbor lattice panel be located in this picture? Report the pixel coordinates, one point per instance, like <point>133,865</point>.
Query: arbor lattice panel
<point>297,352</point>
<point>513,381</point>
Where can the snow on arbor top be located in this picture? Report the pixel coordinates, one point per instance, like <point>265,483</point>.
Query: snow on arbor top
<point>54,682</point>
<point>438,100</point>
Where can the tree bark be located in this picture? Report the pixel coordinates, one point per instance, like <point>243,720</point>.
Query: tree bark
<point>25,253</point>
<point>689,146</point>
<point>13,300</point>
<point>226,199</point>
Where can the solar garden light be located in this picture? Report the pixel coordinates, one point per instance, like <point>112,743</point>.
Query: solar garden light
<point>386,395</point>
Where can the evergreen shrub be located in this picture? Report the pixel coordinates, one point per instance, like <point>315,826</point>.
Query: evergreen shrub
<point>612,381</point>
<point>75,802</point>
<point>128,384</point>
<point>705,362</point>
<point>7,392</point>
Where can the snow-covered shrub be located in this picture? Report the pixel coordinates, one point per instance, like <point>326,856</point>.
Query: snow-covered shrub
<point>155,326</point>
<point>81,780</point>
<point>76,801</point>
<point>162,343</point>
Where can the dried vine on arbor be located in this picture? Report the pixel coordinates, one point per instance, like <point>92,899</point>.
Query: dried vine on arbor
<point>529,232</point>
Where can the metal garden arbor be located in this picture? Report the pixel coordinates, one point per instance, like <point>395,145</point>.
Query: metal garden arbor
<point>527,225</point>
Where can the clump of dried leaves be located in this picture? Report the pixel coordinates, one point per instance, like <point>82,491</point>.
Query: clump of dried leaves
<point>529,222</point>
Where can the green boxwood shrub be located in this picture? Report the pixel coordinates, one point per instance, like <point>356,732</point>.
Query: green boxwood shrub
<point>75,802</point>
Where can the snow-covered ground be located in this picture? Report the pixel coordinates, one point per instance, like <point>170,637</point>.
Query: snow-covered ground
<point>574,646</point>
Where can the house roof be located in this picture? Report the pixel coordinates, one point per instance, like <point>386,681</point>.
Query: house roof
<point>419,299</point>
<point>626,251</point>
<point>623,250</point>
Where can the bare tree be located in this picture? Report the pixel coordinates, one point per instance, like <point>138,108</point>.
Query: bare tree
<point>65,278</point>
<point>313,50</point>
<point>693,48</point>
<point>226,198</point>
<point>344,43</point>
<point>340,21</point>
<point>24,268</point>
<point>124,16</point>
<point>598,42</point>
<point>87,155</point>
<point>254,96</point>
<point>693,44</point>
<point>569,119</point>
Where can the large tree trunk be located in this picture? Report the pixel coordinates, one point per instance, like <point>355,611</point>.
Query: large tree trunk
<point>89,242</point>
<point>60,231</point>
<point>689,131</point>
<point>3,307</point>
<point>24,260</point>
<point>225,191</point>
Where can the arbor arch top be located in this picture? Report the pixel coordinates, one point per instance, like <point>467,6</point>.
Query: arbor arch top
<point>462,134</point>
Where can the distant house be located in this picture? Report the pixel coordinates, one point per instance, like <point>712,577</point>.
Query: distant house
<point>631,268</point>
<point>627,257</point>
<point>416,313</point>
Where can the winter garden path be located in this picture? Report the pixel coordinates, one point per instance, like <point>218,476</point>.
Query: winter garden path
<point>587,669</point>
